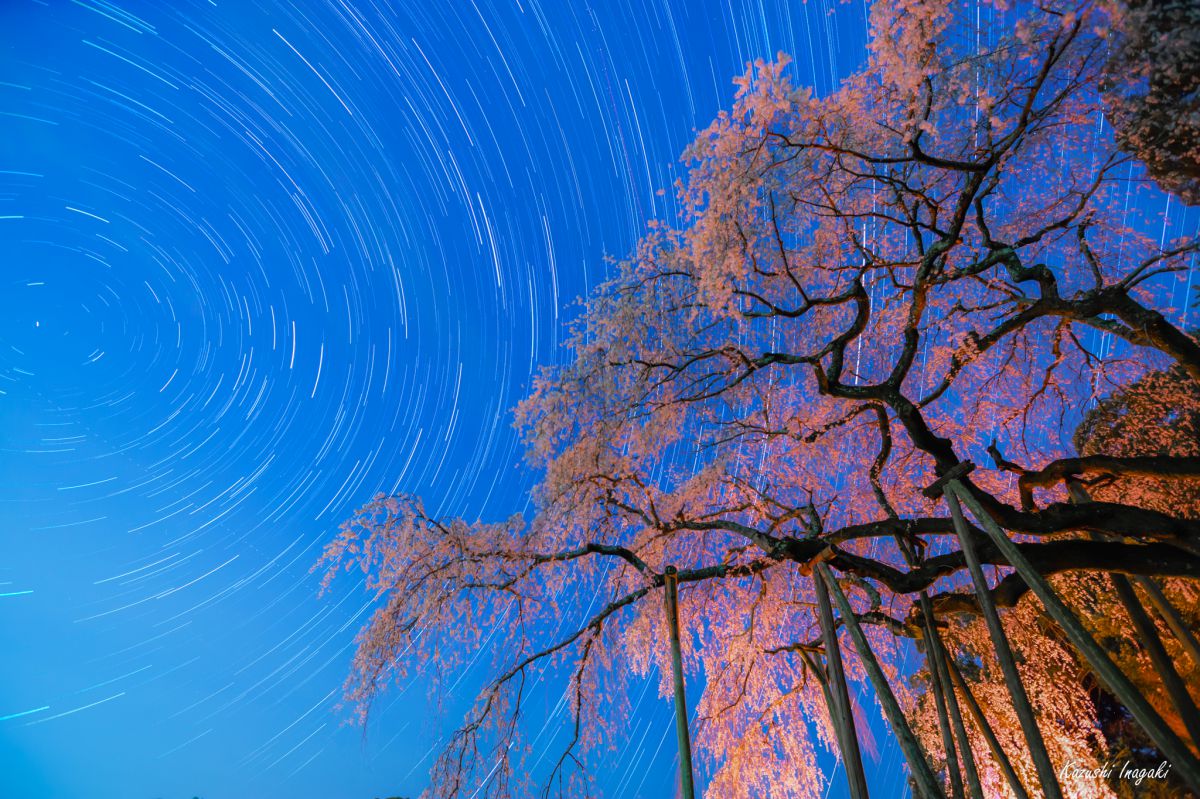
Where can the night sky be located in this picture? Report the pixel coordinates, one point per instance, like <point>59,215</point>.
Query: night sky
<point>259,262</point>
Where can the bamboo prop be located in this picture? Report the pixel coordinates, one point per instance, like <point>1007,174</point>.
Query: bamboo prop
<point>989,735</point>
<point>829,705</point>
<point>918,766</point>
<point>1004,654</point>
<point>838,696</point>
<point>671,584</point>
<point>1148,636</point>
<point>823,681</point>
<point>938,658</point>
<point>1171,616</point>
<point>1113,679</point>
<point>937,681</point>
<point>939,699</point>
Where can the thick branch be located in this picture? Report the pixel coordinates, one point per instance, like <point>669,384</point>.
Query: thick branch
<point>1146,466</point>
<point>1154,560</point>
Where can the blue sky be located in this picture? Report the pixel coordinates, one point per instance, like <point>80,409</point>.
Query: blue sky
<point>260,261</point>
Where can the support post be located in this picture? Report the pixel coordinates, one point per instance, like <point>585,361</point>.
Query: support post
<point>943,692</point>
<point>922,775</point>
<point>671,584</point>
<point>1004,654</point>
<point>1148,637</point>
<point>839,696</point>
<point>1176,751</point>
<point>1171,616</point>
<point>937,686</point>
<point>989,735</point>
<point>938,657</point>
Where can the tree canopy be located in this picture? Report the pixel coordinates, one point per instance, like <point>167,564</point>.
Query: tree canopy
<point>935,264</point>
<point>1154,90</point>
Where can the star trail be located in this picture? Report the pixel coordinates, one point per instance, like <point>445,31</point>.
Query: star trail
<point>262,260</point>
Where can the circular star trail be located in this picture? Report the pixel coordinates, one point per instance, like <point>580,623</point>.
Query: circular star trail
<point>261,261</point>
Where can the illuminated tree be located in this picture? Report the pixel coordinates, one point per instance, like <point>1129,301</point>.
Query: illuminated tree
<point>1153,86</point>
<point>865,290</point>
<point>1157,415</point>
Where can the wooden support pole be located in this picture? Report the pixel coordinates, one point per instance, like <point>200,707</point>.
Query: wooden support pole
<point>1175,750</point>
<point>922,775</point>
<point>1004,654</point>
<point>943,692</point>
<point>671,584</point>
<point>938,657</point>
<point>989,735</point>
<point>838,695</point>
<point>938,686</point>
<point>1148,637</point>
<point>823,680</point>
<point>1171,616</point>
